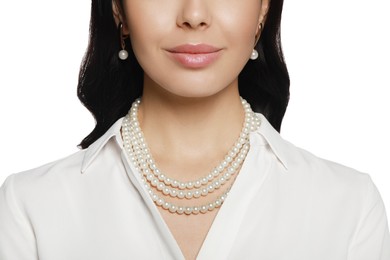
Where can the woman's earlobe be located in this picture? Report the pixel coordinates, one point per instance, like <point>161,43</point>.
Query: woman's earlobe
<point>259,30</point>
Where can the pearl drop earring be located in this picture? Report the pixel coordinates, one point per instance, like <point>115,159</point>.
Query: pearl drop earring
<point>254,54</point>
<point>123,54</point>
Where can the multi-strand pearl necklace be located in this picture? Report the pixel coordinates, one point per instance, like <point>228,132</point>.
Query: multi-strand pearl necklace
<point>161,187</point>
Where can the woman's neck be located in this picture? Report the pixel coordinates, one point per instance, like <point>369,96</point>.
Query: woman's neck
<point>191,128</point>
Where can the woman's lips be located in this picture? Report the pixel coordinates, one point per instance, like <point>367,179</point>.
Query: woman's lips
<point>194,56</point>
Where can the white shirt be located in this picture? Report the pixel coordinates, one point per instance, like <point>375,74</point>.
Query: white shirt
<point>285,204</point>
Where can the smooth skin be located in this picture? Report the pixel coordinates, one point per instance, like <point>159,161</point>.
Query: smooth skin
<point>191,117</point>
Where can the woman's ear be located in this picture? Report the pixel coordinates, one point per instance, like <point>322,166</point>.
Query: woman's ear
<point>119,16</point>
<point>263,14</point>
<point>116,12</point>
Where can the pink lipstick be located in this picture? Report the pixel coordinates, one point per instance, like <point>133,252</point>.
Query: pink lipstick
<point>194,56</point>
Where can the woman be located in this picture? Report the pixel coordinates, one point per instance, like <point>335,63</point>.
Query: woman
<point>178,165</point>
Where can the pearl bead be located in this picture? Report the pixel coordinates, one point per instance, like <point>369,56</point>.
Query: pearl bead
<point>181,195</point>
<point>166,205</point>
<point>173,193</point>
<point>172,208</point>
<point>188,210</point>
<point>175,183</point>
<point>189,195</point>
<point>166,191</point>
<point>203,209</point>
<point>180,210</point>
<point>160,186</point>
<point>197,194</point>
<point>154,182</point>
<point>196,210</point>
<point>160,201</point>
<point>123,55</point>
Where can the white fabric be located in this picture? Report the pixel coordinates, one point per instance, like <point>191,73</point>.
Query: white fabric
<point>286,204</point>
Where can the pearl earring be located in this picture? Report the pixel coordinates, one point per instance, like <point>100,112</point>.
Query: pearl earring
<point>254,54</point>
<point>123,54</point>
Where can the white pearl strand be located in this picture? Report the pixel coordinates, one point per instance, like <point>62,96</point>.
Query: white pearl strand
<point>250,124</point>
<point>196,193</point>
<point>152,177</point>
<point>162,183</point>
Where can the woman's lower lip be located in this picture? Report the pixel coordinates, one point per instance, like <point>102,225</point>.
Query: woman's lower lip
<point>194,60</point>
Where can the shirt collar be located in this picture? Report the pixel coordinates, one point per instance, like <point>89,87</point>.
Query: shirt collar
<point>277,144</point>
<point>266,131</point>
<point>93,150</point>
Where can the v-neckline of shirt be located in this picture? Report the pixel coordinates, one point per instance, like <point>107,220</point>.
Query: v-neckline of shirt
<point>229,215</point>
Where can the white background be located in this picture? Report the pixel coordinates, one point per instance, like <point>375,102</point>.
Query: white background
<point>337,53</point>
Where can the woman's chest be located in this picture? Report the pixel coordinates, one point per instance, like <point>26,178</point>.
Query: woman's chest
<point>189,231</point>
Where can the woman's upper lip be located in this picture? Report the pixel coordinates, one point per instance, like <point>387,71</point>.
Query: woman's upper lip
<point>194,48</point>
